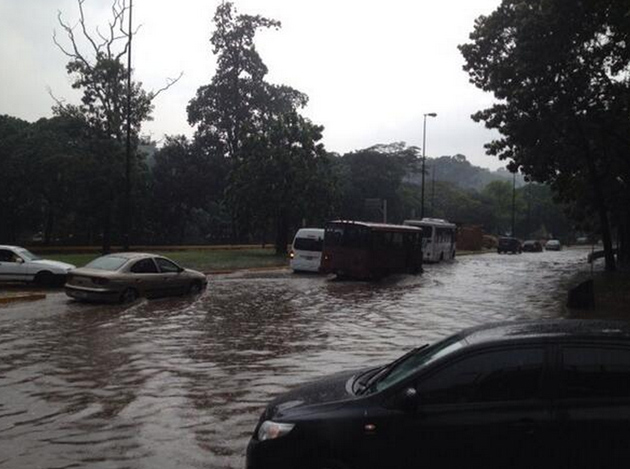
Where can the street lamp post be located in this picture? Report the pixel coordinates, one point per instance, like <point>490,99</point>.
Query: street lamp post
<point>513,202</point>
<point>424,158</point>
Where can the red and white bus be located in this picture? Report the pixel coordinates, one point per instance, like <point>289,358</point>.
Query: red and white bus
<point>362,250</point>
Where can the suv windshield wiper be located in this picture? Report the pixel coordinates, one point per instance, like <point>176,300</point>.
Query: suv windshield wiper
<point>387,369</point>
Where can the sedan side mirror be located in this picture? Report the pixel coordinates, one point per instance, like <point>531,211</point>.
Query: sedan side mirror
<point>19,260</point>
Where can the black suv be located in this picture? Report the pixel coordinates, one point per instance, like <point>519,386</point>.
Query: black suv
<point>535,394</point>
<point>512,245</point>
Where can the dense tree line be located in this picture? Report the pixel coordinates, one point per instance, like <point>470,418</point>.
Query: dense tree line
<point>53,186</point>
<point>254,171</point>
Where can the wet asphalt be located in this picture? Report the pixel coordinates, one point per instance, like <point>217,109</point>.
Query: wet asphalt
<point>180,382</point>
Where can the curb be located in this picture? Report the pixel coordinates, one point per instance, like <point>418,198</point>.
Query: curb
<point>21,297</point>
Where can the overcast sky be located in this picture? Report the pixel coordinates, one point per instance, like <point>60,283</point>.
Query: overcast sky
<point>370,68</point>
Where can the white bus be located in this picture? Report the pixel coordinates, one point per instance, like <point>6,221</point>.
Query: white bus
<point>306,250</point>
<point>438,238</point>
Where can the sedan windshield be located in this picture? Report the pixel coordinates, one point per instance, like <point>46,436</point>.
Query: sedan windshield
<point>28,255</point>
<point>410,363</point>
<point>107,263</point>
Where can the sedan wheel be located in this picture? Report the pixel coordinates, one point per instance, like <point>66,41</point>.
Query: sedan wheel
<point>129,296</point>
<point>195,288</point>
<point>44,279</point>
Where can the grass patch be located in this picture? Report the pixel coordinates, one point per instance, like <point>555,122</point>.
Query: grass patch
<point>203,260</point>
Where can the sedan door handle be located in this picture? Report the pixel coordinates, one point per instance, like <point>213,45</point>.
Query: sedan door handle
<point>527,425</point>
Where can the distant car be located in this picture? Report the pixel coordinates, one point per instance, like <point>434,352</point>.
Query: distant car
<point>512,245</point>
<point>553,245</point>
<point>523,394</point>
<point>532,246</point>
<point>124,277</point>
<point>306,250</point>
<point>20,265</point>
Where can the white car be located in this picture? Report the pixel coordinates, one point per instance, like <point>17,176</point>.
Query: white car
<point>553,245</point>
<point>20,265</point>
<point>306,250</point>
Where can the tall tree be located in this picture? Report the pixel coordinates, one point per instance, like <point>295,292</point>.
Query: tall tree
<point>255,124</point>
<point>560,71</point>
<point>98,70</point>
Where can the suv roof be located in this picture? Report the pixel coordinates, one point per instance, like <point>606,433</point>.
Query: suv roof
<point>553,329</point>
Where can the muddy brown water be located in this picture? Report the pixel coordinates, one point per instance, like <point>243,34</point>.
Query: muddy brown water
<point>181,382</point>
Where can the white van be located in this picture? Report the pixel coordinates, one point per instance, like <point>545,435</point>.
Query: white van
<point>306,250</point>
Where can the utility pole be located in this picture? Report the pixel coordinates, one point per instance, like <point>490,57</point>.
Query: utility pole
<point>127,209</point>
<point>433,188</point>
<point>424,158</point>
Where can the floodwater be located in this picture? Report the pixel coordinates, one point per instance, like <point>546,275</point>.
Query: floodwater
<point>180,383</point>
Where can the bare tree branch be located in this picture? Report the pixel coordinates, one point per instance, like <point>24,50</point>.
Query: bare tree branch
<point>70,32</point>
<point>85,33</point>
<point>61,103</point>
<point>169,82</point>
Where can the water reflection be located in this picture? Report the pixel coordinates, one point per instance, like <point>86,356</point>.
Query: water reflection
<point>181,382</point>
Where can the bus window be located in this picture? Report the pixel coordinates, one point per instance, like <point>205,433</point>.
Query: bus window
<point>333,235</point>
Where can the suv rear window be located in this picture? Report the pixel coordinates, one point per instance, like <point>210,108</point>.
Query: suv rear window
<point>596,373</point>
<point>308,244</point>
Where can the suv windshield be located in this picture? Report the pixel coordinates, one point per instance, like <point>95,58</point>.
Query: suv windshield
<point>410,363</point>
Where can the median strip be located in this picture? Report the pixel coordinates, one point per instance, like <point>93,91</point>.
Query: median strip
<point>17,297</point>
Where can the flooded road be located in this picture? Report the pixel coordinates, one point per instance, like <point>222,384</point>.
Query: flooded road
<point>181,382</point>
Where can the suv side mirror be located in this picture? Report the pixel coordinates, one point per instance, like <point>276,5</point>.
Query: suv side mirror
<point>408,399</point>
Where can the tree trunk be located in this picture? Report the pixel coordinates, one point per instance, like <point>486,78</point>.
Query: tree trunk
<point>623,234</point>
<point>282,234</point>
<point>600,205</point>
<point>48,229</point>
<point>107,230</point>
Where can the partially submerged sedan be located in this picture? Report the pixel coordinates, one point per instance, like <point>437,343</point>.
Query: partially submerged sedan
<point>123,277</point>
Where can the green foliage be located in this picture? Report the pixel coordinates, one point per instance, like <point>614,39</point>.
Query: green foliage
<point>104,101</point>
<point>17,204</point>
<point>560,72</point>
<point>186,182</point>
<point>376,173</point>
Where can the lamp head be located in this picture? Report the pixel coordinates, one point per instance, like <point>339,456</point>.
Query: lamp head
<point>431,114</point>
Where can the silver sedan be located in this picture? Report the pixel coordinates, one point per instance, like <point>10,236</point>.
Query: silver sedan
<point>123,277</point>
